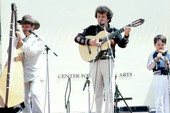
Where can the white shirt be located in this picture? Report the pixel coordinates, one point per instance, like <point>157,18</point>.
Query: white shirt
<point>151,63</point>
<point>33,62</point>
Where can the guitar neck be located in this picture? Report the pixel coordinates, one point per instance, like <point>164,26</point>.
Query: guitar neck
<point>113,35</point>
<point>133,24</point>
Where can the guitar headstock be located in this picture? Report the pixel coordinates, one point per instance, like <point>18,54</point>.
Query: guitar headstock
<point>137,22</point>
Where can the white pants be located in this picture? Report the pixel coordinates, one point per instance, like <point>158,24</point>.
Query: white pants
<point>32,97</point>
<point>162,96</point>
<point>103,82</point>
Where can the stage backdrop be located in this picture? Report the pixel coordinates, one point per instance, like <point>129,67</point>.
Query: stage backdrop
<point>61,20</point>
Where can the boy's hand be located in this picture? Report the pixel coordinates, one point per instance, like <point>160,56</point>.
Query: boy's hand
<point>159,55</point>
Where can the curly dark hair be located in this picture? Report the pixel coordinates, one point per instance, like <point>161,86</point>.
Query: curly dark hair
<point>160,37</point>
<point>102,10</point>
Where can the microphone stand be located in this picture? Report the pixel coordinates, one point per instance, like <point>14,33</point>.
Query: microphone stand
<point>87,78</point>
<point>87,82</point>
<point>168,69</point>
<point>47,68</point>
<point>166,61</point>
<point>110,82</point>
<point>116,100</point>
<point>67,102</point>
<point>110,55</point>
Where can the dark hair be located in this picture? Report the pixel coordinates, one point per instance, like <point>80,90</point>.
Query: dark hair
<point>160,37</point>
<point>102,10</point>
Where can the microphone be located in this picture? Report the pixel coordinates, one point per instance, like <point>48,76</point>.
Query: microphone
<point>32,32</point>
<point>102,23</point>
<point>162,52</point>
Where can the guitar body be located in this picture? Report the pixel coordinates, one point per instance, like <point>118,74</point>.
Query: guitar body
<point>84,52</point>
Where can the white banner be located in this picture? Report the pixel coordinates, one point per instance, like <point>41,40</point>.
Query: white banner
<point>61,20</point>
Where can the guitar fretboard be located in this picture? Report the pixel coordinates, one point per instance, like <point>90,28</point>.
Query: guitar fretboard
<point>112,35</point>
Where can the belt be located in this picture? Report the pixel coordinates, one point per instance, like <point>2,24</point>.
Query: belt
<point>104,58</point>
<point>162,74</point>
<point>159,73</point>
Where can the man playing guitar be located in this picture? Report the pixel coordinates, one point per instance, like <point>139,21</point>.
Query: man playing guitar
<point>100,72</point>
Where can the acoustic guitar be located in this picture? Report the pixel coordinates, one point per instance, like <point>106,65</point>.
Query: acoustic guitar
<point>88,53</point>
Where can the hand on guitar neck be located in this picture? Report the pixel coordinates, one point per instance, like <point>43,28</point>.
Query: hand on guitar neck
<point>96,42</point>
<point>127,30</point>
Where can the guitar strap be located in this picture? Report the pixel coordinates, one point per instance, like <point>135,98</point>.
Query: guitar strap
<point>89,50</point>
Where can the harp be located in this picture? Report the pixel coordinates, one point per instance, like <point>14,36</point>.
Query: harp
<point>11,78</point>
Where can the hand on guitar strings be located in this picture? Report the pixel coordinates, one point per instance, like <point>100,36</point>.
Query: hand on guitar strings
<point>94,42</point>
